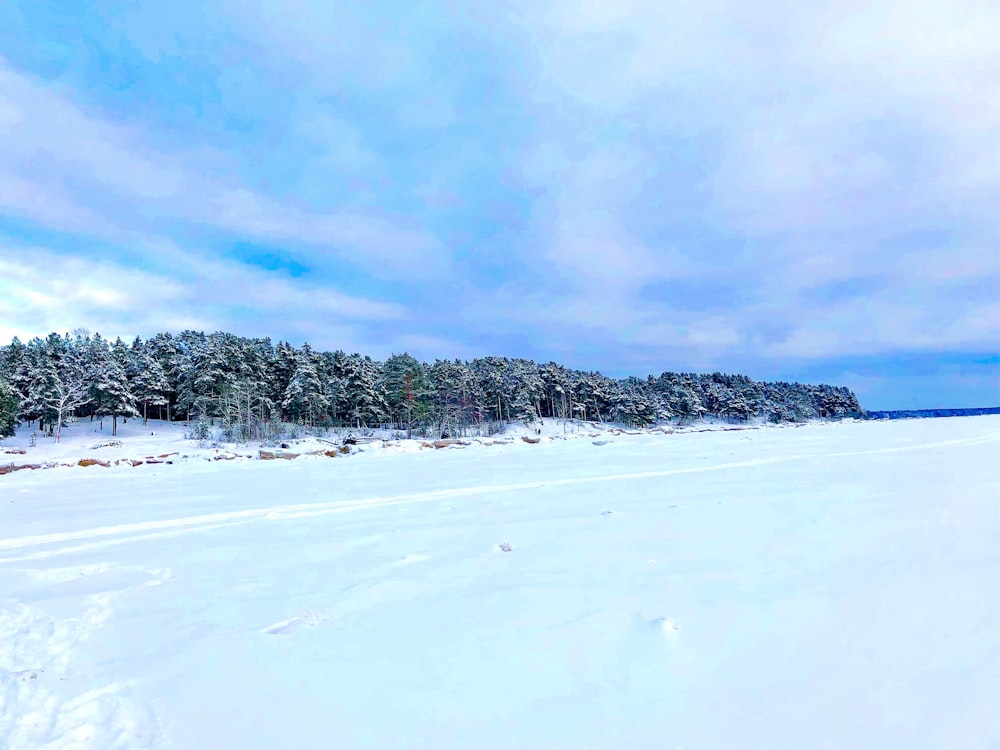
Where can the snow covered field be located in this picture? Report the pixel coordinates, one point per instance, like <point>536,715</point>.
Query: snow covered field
<point>834,586</point>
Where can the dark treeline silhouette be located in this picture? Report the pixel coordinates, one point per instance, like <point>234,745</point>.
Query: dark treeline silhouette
<point>931,413</point>
<point>250,387</point>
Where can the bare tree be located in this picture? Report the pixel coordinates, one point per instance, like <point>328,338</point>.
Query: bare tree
<point>69,393</point>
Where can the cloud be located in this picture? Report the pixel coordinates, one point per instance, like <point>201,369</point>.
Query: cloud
<point>71,170</point>
<point>42,290</point>
<point>820,147</point>
<point>813,111</point>
<point>46,204</point>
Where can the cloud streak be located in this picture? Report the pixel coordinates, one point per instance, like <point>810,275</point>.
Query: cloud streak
<point>60,160</point>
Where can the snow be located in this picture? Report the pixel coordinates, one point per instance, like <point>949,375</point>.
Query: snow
<point>825,587</point>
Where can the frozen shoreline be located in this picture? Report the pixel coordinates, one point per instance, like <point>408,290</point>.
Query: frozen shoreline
<point>84,445</point>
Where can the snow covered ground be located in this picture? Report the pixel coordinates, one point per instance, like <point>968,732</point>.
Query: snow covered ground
<point>834,586</point>
<point>87,439</point>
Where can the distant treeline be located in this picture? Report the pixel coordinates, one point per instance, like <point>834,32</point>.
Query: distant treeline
<point>249,385</point>
<point>925,413</point>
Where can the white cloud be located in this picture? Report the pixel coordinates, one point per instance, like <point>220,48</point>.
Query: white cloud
<point>47,204</point>
<point>42,290</point>
<point>839,144</point>
<point>72,170</point>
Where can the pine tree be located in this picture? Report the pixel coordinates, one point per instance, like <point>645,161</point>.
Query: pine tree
<point>146,379</point>
<point>407,390</point>
<point>13,366</point>
<point>686,401</point>
<point>41,377</point>
<point>305,397</point>
<point>191,349</point>
<point>109,388</point>
<point>449,381</point>
<point>163,349</point>
<point>491,376</point>
<point>528,389</point>
<point>364,394</point>
<point>10,407</point>
<point>283,363</point>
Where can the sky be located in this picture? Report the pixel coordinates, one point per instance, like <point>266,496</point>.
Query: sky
<point>793,191</point>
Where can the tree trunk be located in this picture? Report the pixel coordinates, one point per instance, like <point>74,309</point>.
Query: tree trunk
<point>145,409</point>
<point>114,425</point>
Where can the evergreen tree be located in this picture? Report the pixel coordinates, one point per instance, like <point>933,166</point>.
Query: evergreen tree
<point>109,387</point>
<point>191,349</point>
<point>364,394</point>
<point>450,410</point>
<point>407,390</point>
<point>163,350</point>
<point>686,401</point>
<point>305,399</point>
<point>10,407</point>
<point>41,376</point>
<point>146,379</point>
<point>282,366</point>
<point>492,378</point>
<point>13,366</point>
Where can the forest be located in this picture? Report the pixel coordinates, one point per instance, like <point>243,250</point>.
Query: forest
<point>252,389</point>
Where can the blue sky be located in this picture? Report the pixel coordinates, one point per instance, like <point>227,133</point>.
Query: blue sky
<point>789,192</point>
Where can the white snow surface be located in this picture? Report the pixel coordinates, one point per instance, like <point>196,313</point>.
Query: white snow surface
<point>86,439</point>
<point>834,586</point>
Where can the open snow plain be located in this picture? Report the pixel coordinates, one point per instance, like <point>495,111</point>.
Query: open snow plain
<point>833,586</point>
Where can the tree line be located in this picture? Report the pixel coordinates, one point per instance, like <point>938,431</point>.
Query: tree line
<point>251,387</point>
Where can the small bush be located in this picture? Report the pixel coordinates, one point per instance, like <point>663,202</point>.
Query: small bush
<point>200,430</point>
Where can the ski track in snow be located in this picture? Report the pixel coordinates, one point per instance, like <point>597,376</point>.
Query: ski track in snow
<point>125,533</point>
